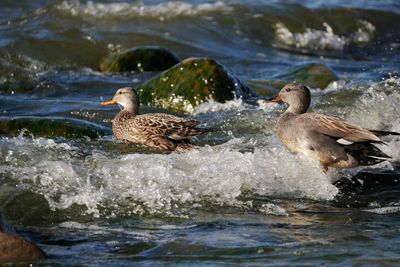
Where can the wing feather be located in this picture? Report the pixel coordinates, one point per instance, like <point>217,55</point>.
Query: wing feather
<point>165,126</point>
<point>337,128</point>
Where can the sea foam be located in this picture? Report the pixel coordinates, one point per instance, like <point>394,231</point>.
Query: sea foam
<point>125,10</point>
<point>323,39</point>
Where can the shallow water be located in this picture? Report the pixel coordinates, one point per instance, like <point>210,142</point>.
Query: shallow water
<point>242,198</point>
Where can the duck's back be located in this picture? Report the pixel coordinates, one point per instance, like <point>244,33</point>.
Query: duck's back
<point>138,128</point>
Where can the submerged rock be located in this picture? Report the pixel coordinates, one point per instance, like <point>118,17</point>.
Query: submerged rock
<point>148,58</point>
<point>13,248</point>
<point>49,127</point>
<point>188,84</point>
<point>315,75</point>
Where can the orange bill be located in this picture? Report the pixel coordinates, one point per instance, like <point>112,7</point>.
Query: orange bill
<point>274,99</point>
<point>108,102</point>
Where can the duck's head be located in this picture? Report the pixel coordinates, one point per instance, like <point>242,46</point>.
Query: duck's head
<point>126,97</point>
<point>296,95</point>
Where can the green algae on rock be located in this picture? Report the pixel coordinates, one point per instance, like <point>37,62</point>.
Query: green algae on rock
<point>314,75</point>
<point>189,83</point>
<point>148,58</point>
<point>52,127</point>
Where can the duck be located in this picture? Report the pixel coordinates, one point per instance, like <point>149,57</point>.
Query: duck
<point>334,142</point>
<point>162,131</point>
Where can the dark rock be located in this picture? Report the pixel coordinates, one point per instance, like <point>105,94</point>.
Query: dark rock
<point>49,127</point>
<point>189,83</point>
<point>148,58</point>
<point>14,248</point>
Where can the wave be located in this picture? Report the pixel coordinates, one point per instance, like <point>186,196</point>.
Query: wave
<point>157,183</point>
<point>128,10</point>
<point>323,39</point>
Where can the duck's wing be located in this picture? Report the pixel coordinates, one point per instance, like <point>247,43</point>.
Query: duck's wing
<point>337,128</point>
<point>166,126</point>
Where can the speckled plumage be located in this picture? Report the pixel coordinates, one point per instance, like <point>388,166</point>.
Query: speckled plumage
<point>331,140</point>
<point>158,130</point>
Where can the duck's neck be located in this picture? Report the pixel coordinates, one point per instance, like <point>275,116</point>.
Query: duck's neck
<point>298,107</point>
<point>131,108</point>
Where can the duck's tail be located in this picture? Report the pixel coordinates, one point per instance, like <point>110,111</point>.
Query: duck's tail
<point>383,133</point>
<point>366,153</point>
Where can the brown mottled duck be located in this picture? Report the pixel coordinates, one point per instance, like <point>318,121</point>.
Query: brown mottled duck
<point>157,130</point>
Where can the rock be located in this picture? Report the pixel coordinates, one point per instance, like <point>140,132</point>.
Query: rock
<point>366,187</point>
<point>189,83</point>
<point>266,88</point>
<point>48,127</point>
<point>13,248</point>
<point>315,75</point>
<point>148,58</point>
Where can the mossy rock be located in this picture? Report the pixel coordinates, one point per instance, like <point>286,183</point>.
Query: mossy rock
<point>314,75</point>
<point>67,128</point>
<point>148,58</point>
<point>266,88</point>
<point>189,83</point>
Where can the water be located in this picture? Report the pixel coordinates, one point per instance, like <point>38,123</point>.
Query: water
<point>242,199</point>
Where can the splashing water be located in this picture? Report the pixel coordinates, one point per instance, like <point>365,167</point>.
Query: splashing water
<point>127,10</point>
<point>323,40</point>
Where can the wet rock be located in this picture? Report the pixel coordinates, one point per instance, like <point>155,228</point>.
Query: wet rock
<point>266,88</point>
<point>48,127</point>
<point>14,248</point>
<point>367,187</point>
<point>189,83</point>
<point>315,75</point>
<point>148,58</point>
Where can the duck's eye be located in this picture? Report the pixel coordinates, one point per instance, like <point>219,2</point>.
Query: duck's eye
<point>120,93</point>
<point>288,89</point>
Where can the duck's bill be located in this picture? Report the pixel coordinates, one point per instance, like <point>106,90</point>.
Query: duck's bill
<point>274,99</point>
<point>108,102</point>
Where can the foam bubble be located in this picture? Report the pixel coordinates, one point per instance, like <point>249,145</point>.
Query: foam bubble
<point>211,105</point>
<point>384,210</point>
<point>273,209</point>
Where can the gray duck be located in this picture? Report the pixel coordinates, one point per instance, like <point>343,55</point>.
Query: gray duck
<point>332,141</point>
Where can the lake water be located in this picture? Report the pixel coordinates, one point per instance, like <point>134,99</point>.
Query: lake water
<point>243,200</point>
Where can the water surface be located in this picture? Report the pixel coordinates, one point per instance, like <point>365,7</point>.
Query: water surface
<point>242,199</point>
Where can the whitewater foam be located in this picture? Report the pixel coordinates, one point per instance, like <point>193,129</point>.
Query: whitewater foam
<point>323,39</point>
<point>159,183</point>
<point>125,10</point>
<point>211,105</point>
